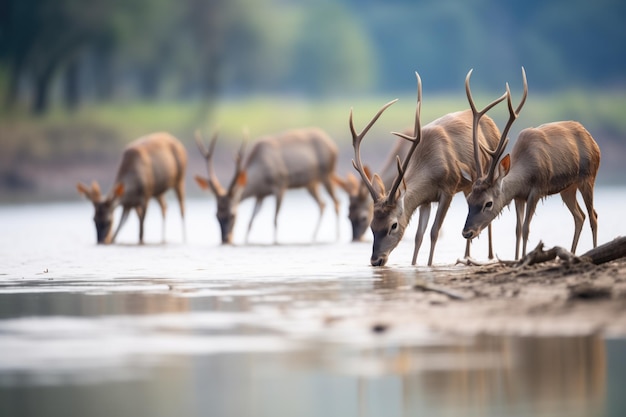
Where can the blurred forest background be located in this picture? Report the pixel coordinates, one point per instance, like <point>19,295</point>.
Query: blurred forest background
<point>80,79</point>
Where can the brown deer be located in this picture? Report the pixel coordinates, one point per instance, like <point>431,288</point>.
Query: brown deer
<point>430,172</point>
<point>361,205</point>
<point>300,158</point>
<point>559,157</point>
<point>150,166</point>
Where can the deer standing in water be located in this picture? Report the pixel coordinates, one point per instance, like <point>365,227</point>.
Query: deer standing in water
<point>559,157</point>
<point>300,158</point>
<point>150,166</point>
<point>361,205</point>
<point>429,173</point>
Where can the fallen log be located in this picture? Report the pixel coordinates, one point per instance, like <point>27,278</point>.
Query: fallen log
<point>607,252</point>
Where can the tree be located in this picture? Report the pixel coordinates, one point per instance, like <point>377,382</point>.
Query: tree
<point>332,53</point>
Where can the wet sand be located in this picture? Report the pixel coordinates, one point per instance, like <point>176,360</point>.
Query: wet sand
<point>550,299</point>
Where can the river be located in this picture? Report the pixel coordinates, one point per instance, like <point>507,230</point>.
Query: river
<point>196,328</point>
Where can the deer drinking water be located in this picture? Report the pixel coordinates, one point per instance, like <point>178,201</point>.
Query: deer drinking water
<point>150,166</point>
<point>361,205</point>
<point>299,158</point>
<point>559,157</point>
<point>429,173</point>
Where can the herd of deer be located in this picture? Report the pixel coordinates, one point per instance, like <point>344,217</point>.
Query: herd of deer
<point>458,152</point>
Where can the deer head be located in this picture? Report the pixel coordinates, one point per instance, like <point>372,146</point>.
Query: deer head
<point>486,199</point>
<point>227,200</point>
<point>103,208</point>
<point>388,223</point>
<point>360,209</point>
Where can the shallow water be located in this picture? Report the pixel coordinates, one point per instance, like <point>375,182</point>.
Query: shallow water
<point>197,328</point>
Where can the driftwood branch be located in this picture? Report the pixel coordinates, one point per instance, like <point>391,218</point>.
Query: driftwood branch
<point>607,252</point>
<point>538,255</point>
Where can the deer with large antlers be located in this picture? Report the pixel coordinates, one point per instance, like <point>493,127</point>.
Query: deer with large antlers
<point>150,166</point>
<point>559,157</point>
<point>429,173</point>
<point>299,158</point>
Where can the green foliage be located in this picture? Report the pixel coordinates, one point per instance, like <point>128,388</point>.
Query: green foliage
<point>214,49</point>
<point>332,54</point>
<point>101,131</point>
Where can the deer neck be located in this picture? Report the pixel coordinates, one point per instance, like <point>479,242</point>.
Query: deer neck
<point>515,185</point>
<point>419,190</point>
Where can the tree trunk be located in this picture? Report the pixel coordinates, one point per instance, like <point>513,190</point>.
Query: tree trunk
<point>11,98</point>
<point>42,89</point>
<point>71,90</point>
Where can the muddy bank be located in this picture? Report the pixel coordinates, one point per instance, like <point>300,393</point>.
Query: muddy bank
<point>548,299</point>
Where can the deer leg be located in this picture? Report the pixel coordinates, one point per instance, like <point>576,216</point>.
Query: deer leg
<point>490,237</point>
<point>587,192</point>
<point>421,228</point>
<point>257,207</point>
<point>163,204</point>
<point>313,190</point>
<point>141,213</point>
<point>180,196</point>
<point>569,198</point>
<point>279,202</point>
<point>520,205</point>
<point>531,205</point>
<point>468,244</point>
<point>442,209</point>
<point>330,188</point>
<point>122,221</point>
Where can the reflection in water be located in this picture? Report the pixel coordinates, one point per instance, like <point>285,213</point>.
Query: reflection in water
<point>177,358</point>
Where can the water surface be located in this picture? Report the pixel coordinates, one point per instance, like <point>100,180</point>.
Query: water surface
<point>196,328</point>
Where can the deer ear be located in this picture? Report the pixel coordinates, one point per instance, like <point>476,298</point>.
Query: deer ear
<point>202,182</point>
<point>504,166</point>
<point>353,185</point>
<point>368,173</point>
<point>346,185</point>
<point>119,190</point>
<point>236,189</point>
<point>83,189</point>
<point>92,194</point>
<point>95,190</point>
<point>379,186</point>
<point>242,179</point>
<point>401,192</point>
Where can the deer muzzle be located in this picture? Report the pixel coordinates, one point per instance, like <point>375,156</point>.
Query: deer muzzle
<point>379,261</point>
<point>469,234</point>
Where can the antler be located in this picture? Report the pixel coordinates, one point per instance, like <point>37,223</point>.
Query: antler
<point>415,140</point>
<point>476,120</point>
<point>356,144</point>
<point>208,156</point>
<point>513,115</point>
<point>238,162</point>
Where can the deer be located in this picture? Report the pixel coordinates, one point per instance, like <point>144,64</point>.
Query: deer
<point>559,157</point>
<point>150,166</point>
<point>361,206</point>
<point>297,158</point>
<point>429,173</point>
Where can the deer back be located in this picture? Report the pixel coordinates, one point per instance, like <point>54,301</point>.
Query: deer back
<point>553,156</point>
<point>446,149</point>
<point>150,166</point>
<point>292,159</point>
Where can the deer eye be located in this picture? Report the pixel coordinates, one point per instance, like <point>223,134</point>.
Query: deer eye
<point>488,205</point>
<point>394,226</point>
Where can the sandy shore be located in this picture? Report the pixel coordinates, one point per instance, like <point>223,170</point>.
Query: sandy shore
<point>549,299</point>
